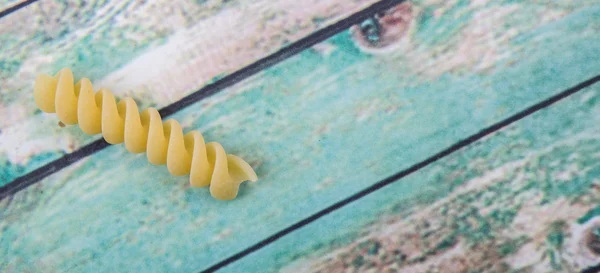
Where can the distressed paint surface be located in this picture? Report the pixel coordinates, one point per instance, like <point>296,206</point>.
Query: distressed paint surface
<point>155,51</point>
<point>317,127</point>
<point>5,4</point>
<point>520,200</point>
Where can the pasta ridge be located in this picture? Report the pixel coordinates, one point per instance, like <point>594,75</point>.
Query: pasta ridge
<point>163,141</point>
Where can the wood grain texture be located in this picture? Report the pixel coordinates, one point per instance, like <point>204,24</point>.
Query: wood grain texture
<point>155,51</point>
<point>521,200</point>
<point>6,4</point>
<point>317,128</point>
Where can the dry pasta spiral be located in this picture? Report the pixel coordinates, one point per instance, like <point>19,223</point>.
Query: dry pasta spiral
<point>164,142</point>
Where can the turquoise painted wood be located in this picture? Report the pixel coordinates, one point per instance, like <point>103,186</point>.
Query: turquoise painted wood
<point>318,127</point>
<point>154,51</point>
<point>520,200</point>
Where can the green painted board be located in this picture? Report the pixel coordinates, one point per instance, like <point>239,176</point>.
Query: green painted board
<point>521,200</point>
<point>154,51</point>
<point>318,127</point>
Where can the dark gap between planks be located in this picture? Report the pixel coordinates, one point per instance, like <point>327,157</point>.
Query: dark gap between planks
<point>284,53</point>
<point>414,168</point>
<point>16,7</point>
<point>592,269</point>
<point>206,91</point>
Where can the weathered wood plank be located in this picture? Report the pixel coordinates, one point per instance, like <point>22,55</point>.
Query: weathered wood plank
<point>520,200</point>
<point>154,51</point>
<point>318,127</point>
<point>6,4</point>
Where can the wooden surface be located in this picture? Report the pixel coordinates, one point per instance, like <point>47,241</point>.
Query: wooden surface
<point>319,127</point>
<point>6,4</point>
<point>521,200</point>
<point>155,51</point>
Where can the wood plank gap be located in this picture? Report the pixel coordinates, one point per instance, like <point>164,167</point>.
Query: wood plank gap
<point>414,168</point>
<point>284,53</point>
<point>16,7</point>
<point>593,269</point>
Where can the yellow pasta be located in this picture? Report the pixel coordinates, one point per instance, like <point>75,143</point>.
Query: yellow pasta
<point>164,142</point>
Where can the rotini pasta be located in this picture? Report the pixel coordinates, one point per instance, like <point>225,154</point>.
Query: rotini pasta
<point>164,142</point>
